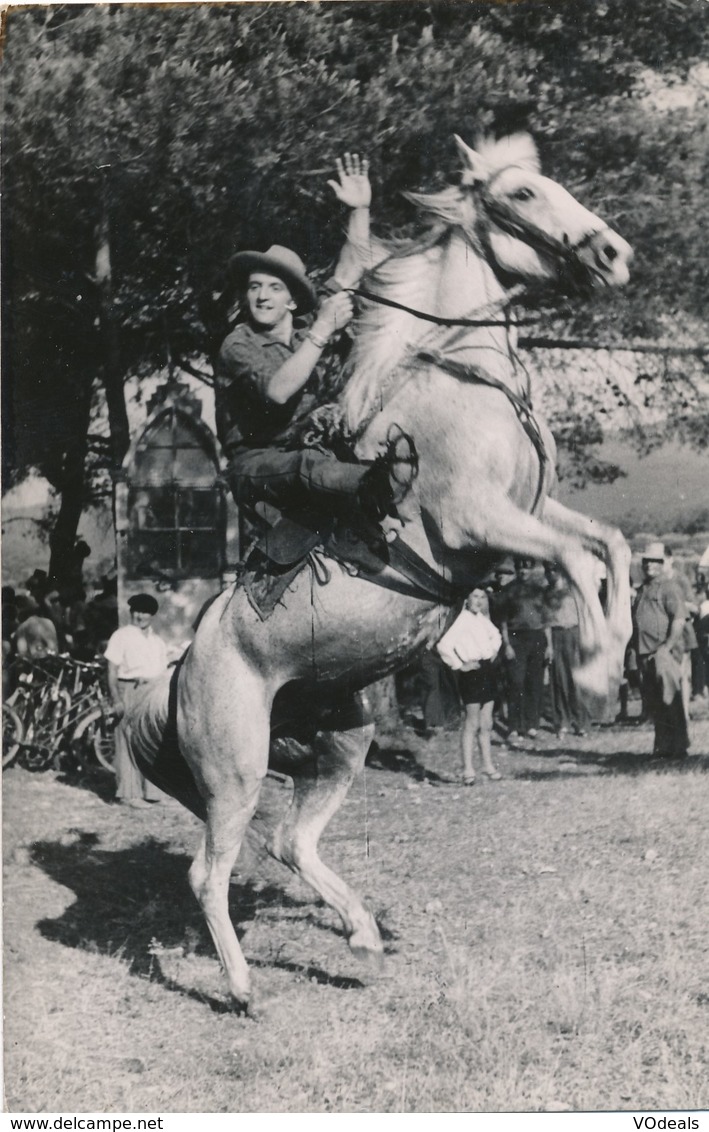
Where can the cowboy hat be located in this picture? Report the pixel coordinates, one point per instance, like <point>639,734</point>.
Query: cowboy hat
<point>278,261</point>
<point>654,552</point>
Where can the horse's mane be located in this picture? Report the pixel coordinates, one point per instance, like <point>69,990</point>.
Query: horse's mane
<point>384,339</point>
<point>516,149</point>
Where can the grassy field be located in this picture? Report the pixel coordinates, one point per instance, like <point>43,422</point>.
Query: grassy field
<point>546,942</point>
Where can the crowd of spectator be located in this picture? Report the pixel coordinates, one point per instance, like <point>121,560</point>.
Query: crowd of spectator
<point>530,678</point>
<point>42,617</point>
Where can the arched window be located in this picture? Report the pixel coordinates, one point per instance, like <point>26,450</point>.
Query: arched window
<point>175,504</point>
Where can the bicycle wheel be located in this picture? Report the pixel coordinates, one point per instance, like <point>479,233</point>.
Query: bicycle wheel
<point>94,733</point>
<point>12,732</point>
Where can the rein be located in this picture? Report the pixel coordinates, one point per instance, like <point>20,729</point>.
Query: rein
<point>439,320</point>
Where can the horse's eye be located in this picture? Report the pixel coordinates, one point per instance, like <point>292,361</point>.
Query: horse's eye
<point>522,194</point>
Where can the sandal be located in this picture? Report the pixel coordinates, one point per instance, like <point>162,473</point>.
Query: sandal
<point>493,775</point>
<point>468,780</point>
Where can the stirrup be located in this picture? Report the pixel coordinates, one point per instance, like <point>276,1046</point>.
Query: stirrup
<point>387,482</point>
<point>402,460</point>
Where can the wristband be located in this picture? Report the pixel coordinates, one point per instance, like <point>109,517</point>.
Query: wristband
<point>321,343</point>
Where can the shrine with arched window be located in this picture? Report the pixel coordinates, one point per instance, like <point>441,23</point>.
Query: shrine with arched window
<point>172,515</point>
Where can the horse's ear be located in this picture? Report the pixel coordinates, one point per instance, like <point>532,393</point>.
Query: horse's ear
<point>476,166</point>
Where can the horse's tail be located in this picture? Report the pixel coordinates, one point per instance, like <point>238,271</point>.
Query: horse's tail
<point>154,744</point>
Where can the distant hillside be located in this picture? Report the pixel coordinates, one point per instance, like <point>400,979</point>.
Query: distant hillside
<point>667,490</point>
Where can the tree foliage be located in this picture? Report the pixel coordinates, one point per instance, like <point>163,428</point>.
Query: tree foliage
<point>145,144</point>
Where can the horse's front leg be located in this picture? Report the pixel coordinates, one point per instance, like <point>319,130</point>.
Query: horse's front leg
<point>227,820</point>
<point>320,789</point>
<point>609,543</point>
<point>506,528</point>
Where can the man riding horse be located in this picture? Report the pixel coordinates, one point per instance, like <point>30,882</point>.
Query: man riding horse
<point>434,355</point>
<point>268,374</point>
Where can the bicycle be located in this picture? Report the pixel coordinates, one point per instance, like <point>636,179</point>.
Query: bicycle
<point>63,710</point>
<point>39,701</point>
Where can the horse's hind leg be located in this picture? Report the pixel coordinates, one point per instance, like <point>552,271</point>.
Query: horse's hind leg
<point>320,789</point>
<point>236,743</point>
<point>515,532</point>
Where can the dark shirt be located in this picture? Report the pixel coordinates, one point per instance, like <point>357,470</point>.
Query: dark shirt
<point>248,359</point>
<point>561,609</point>
<point>496,600</point>
<point>523,604</point>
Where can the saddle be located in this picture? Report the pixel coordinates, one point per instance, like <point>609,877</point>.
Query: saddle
<point>277,558</point>
<point>275,561</point>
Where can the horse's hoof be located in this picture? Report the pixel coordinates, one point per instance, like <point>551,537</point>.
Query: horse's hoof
<point>366,945</point>
<point>247,1008</point>
<point>372,965</point>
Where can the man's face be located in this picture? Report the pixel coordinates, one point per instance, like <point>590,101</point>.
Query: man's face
<point>269,300</point>
<point>142,620</point>
<point>653,567</point>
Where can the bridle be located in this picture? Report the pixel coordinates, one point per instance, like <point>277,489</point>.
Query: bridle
<point>504,216</point>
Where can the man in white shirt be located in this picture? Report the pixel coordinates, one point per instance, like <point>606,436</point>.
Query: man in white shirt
<point>136,655</point>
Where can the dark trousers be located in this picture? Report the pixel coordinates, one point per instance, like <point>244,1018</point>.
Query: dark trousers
<point>299,480</point>
<point>669,720</point>
<point>567,707</point>
<point>525,679</point>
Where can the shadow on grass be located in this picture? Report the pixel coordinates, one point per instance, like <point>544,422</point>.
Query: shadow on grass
<point>402,761</point>
<point>618,762</point>
<point>126,899</point>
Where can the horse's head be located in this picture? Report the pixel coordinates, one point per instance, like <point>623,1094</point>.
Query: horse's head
<point>529,226</point>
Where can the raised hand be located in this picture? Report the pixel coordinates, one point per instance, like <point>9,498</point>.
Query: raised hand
<point>353,187</point>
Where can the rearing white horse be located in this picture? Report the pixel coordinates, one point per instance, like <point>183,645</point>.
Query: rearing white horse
<point>434,355</point>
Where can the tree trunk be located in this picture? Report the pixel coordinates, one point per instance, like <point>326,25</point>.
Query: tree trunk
<point>72,486</point>
<point>112,370</point>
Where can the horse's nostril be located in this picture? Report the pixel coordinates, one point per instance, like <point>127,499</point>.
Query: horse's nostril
<point>610,253</point>
<point>565,240</point>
